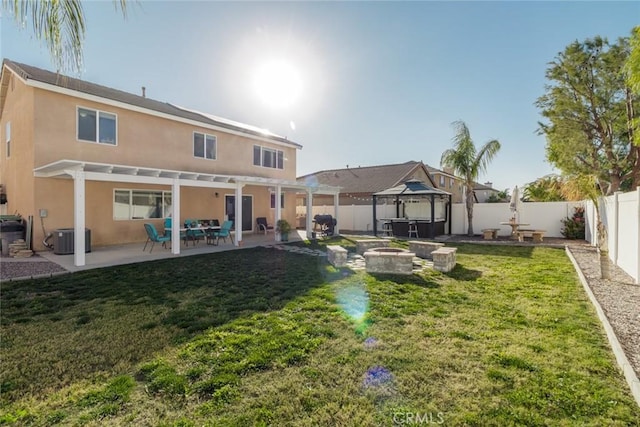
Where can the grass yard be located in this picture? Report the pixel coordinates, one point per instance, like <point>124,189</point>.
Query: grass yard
<point>267,337</point>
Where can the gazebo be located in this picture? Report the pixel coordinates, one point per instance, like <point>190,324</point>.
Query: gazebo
<point>425,208</point>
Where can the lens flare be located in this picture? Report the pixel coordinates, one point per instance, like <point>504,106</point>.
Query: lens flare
<point>354,301</point>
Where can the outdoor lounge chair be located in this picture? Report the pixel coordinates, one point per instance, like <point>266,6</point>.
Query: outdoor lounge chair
<point>154,237</point>
<point>261,222</point>
<point>224,232</point>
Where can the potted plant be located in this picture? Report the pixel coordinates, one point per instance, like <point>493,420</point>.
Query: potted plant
<point>283,227</point>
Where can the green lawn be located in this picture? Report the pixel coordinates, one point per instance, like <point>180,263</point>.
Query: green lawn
<point>267,337</point>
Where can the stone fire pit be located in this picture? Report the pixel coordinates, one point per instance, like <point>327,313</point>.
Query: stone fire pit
<point>389,260</point>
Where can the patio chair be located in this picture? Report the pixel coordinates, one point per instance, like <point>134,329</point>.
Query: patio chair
<point>224,232</point>
<point>195,235</point>
<point>154,237</point>
<point>167,233</point>
<point>262,225</point>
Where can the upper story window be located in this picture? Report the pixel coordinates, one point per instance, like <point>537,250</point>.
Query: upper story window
<point>268,157</point>
<point>450,182</point>
<point>97,126</point>
<point>7,137</point>
<point>442,181</point>
<point>204,146</point>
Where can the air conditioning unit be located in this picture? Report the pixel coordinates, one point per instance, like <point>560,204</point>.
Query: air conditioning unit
<point>63,241</point>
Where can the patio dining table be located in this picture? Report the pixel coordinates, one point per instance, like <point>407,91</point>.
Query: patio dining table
<point>514,227</point>
<point>206,229</point>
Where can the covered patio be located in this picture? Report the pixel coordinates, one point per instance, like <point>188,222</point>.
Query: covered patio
<point>81,172</point>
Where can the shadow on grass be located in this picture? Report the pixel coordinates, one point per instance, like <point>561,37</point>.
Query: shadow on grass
<point>464,274</point>
<point>412,279</point>
<point>200,291</point>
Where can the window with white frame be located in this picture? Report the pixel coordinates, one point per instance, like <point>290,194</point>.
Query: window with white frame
<point>450,182</point>
<point>204,146</point>
<point>141,204</point>
<point>268,157</point>
<point>273,200</point>
<point>7,137</point>
<point>442,180</point>
<point>97,126</point>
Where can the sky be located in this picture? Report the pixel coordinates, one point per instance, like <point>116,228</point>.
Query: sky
<point>355,83</point>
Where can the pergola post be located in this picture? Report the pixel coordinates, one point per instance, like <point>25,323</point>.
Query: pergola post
<point>175,217</point>
<point>278,209</point>
<point>79,218</point>
<point>432,228</point>
<point>238,213</point>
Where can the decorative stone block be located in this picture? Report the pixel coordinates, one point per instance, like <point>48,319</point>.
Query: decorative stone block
<point>363,246</point>
<point>444,259</point>
<point>490,233</point>
<point>389,260</point>
<point>337,255</point>
<point>424,249</point>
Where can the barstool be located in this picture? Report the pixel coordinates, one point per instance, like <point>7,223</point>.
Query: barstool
<point>413,229</point>
<point>387,229</point>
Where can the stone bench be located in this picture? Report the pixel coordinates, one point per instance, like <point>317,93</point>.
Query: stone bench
<point>536,235</point>
<point>337,255</point>
<point>363,246</point>
<point>389,262</point>
<point>424,249</point>
<point>444,259</point>
<point>490,233</point>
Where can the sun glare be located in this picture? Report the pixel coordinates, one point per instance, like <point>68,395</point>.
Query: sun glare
<point>277,83</point>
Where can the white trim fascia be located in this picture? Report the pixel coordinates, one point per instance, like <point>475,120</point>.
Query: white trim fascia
<point>146,175</point>
<point>70,92</point>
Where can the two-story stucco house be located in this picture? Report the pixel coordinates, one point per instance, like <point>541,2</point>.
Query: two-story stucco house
<point>78,154</point>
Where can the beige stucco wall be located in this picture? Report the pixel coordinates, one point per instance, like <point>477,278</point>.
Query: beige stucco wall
<point>16,171</point>
<point>56,196</point>
<point>145,140</point>
<point>43,126</point>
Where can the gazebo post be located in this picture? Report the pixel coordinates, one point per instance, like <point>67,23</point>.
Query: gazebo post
<point>375,222</point>
<point>397,206</point>
<point>450,214</point>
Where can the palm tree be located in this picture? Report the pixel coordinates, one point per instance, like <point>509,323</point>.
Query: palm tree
<point>59,23</point>
<point>468,163</point>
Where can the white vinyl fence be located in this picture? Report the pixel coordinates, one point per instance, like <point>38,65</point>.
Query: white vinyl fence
<point>621,218</point>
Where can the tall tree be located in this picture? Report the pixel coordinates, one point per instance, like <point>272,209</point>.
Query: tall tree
<point>633,62</point>
<point>468,163</point>
<point>60,24</point>
<point>632,68</point>
<point>545,189</point>
<point>590,111</point>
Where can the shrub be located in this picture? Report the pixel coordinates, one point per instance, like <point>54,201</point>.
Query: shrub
<point>574,226</point>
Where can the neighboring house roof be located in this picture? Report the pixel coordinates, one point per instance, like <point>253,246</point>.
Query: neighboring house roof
<point>433,170</point>
<point>27,72</point>
<point>368,179</point>
<point>477,186</point>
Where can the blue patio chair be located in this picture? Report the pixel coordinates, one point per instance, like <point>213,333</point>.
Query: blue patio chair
<point>224,232</point>
<point>154,237</point>
<point>167,233</point>
<point>195,235</point>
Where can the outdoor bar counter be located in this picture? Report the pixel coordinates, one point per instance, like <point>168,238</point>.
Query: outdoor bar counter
<point>400,226</point>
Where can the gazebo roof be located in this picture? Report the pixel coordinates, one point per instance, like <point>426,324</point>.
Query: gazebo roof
<point>412,188</point>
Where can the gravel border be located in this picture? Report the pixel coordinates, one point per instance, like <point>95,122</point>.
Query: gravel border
<point>28,268</point>
<point>617,302</point>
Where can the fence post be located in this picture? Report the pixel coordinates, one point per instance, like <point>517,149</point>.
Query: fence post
<point>638,236</point>
<point>615,227</point>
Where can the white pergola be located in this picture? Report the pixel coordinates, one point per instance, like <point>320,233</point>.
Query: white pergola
<point>81,172</point>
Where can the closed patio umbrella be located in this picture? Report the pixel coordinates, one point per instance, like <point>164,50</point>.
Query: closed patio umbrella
<point>514,205</point>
